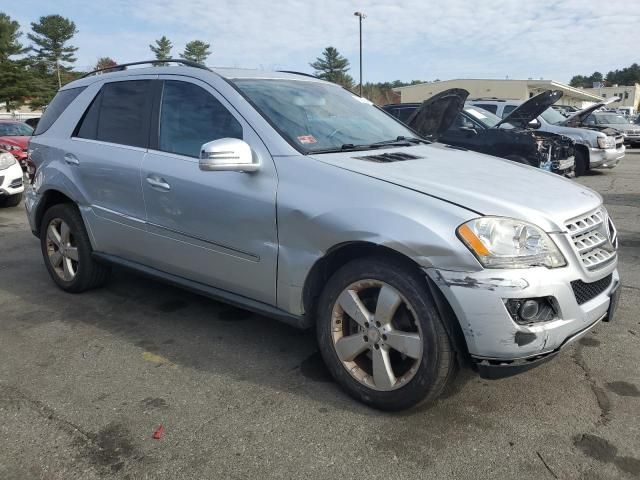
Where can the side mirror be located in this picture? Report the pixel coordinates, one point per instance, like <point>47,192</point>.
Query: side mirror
<point>535,123</point>
<point>470,131</point>
<point>228,154</point>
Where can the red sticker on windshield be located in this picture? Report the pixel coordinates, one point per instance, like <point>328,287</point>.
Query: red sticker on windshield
<point>307,139</point>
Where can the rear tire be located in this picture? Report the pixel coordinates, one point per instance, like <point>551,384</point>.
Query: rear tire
<point>582,163</point>
<point>66,250</point>
<point>401,356</point>
<point>11,201</point>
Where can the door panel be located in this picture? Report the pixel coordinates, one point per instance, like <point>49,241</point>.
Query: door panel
<point>108,146</point>
<point>215,227</point>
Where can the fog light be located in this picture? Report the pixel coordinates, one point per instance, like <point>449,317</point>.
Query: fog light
<point>529,309</point>
<point>526,311</point>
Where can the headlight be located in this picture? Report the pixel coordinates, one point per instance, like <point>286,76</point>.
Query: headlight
<point>607,142</point>
<point>500,242</point>
<point>6,160</point>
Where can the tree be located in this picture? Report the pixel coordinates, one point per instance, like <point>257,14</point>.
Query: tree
<point>626,76</point>
<point>162,49</point>
<point>196,51</point>
<point>105,63</point>
<point>50,36</point>
<point>333,67</point>
<point>9,34</point>
<point>14,77</point>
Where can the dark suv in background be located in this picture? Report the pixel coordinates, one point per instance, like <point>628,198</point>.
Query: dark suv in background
<point>445,118</point>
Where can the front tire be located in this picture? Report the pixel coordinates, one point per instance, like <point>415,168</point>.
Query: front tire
<point>381,336</point>
<point>66,250</point>
<point>582,163</point>
<point>11,201</point>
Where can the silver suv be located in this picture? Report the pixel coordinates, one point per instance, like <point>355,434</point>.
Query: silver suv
<point>295,198</point>
<point>595,147</point>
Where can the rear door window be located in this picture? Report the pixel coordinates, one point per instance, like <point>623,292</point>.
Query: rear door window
<point>190,117</point>
<point>120,113</point>
<point>58,105</point>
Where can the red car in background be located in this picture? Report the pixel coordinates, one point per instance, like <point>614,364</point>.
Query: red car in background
<point>14,137</point>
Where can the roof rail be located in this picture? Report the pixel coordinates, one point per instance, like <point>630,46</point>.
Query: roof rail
<point>123,66</point>
<point>298,73</point>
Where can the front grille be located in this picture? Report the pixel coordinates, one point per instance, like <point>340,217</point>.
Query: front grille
<point>588,291</point>
<point>594,239</point>
<point>16,183</point>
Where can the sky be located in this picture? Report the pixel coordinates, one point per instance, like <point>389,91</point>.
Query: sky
<point>405,40</point>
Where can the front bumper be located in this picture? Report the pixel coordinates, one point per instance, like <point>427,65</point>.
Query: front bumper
<point>493,337</point>
<point>605,158</point>
<point>632,139</point>
<point>11,181</point>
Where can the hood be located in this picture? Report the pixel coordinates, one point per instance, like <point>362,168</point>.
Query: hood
<point>480,183</point>
<point>530,109</point>
<point>577,118</point>
<point>436,114</point>
<point>18,141</point>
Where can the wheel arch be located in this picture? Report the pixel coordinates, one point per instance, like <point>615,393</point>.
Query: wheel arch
<point>49,198</point>
<point>342,253</point>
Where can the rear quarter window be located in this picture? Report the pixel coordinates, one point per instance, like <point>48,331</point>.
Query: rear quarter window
<point>58,105</point>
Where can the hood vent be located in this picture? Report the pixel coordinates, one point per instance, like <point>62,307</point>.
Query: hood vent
<point>388,157</point>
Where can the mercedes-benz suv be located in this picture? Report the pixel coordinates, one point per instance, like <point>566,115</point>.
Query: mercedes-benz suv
<point>293,197</point>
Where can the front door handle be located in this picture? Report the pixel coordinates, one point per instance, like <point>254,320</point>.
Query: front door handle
<point>71,159</point>
<point>158,183</point>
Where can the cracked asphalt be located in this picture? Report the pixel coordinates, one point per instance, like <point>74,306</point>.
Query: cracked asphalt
<point>86,379</point>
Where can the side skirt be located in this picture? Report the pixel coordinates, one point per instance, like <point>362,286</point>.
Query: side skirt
<point>302,322</point>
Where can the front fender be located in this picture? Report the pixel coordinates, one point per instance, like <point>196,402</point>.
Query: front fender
<point>355,208</point>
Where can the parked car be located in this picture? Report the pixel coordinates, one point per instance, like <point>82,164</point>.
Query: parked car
<point>14,138</point>
<point>607,120</point>
<point>11,183</point>
<point>595,148</point>
<point>291,196</point>
<point>446,119</point>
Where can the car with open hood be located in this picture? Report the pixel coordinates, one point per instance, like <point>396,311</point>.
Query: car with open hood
<point>595,148</point>
<point>14,138</point>
<point>614,121</point>
<point>295,198</point>
<point>445,118</point>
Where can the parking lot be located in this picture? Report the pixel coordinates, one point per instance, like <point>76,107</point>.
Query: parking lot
<point>86,379</point>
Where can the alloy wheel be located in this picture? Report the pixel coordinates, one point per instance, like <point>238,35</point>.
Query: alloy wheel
<point>62,250</point>
<point>376,335</point>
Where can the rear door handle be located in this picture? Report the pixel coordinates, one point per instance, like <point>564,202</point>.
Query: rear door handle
<point>71,159</point>
<point>158,183</point>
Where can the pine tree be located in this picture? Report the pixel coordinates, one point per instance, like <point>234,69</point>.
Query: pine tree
<point>333,67</point>
<point>50,36</point>
<point>196,51</point>
<point>162,50</point>
<point>14,78</point>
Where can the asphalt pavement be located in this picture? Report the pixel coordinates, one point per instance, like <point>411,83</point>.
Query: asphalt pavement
<point>85,381</point>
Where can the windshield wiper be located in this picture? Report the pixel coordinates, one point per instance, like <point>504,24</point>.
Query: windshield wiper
<point>397,142</point>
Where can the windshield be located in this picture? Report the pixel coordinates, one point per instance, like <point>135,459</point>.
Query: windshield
<point>483,116</point>
<point>17,129</point>
<point>552,116</point>
<point>316,116</point>
<point>611,119</point>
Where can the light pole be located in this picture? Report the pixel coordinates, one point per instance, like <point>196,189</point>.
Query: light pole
<point>361,16</point>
